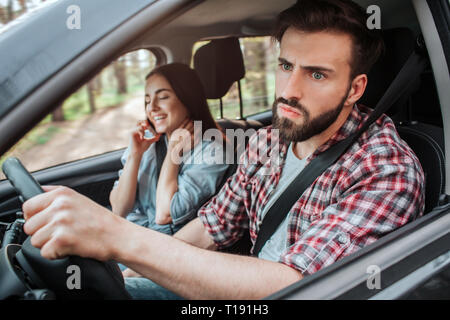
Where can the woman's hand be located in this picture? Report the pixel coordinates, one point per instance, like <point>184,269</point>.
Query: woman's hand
<point>140,144</point>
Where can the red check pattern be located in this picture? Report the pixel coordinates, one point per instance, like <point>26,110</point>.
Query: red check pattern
<point>374,188</point>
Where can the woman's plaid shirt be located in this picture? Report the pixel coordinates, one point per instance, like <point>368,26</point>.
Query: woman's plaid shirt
<point>374,188</point>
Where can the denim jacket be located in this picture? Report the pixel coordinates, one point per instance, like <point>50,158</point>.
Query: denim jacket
<point>200,177</point>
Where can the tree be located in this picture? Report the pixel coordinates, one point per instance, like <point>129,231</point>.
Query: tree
<point>3,16</point>
<point>98,84</point>
<point>255,53</point>
<point>8,12</point>
<point>91,94</point>
<point>121,77</point>
<point>58,114</point>
<point>23,6</point>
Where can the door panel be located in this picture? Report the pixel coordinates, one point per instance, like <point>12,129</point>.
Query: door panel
<point>92,177</point>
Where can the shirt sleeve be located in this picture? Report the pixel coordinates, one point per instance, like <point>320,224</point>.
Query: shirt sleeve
<point>225,216</point>
<point>379,196</point>
<point>196,184</point>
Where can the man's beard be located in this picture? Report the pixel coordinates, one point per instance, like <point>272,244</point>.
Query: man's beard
<point>290,131</point>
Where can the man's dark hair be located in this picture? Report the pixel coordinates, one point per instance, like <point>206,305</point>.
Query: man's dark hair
<point>343,16</point>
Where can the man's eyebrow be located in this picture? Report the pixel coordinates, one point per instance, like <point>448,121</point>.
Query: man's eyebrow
<point>309,68</point>
<point>283,60</point>
<point>317,68</point>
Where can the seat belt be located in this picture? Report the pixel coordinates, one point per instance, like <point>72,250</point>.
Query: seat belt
<point>410,71</point>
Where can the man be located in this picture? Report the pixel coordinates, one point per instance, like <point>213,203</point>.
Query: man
<point>375,187</point>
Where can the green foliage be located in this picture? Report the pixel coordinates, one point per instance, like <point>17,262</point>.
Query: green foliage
<point>46,135</point>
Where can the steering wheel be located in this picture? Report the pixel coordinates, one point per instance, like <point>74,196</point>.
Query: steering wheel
<point>73,277</point>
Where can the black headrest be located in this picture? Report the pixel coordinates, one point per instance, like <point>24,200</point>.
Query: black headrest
<point>219,64</point>
<point>399,44</point>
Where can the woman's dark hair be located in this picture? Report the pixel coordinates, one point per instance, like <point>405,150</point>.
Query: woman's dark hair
<point>343,16</point>
<point>188,88</point>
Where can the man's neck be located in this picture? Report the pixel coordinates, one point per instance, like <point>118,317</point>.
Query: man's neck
<point>305,148</point>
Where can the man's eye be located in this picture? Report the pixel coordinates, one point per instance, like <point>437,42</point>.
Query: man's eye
<point>163,98</point>
<point>285,66</point>
<point>318,76</point>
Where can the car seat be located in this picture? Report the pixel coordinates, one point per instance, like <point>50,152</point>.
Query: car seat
<point>426,140</point>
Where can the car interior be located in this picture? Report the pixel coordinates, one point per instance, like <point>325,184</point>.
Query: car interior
<point>220,64</point>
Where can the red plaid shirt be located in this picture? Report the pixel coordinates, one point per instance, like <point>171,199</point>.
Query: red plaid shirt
<point>374,188</point>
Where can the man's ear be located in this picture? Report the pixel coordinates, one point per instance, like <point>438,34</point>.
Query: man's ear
<point>357,89</point>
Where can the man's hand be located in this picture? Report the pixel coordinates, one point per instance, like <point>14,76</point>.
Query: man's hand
<point>63,222</point>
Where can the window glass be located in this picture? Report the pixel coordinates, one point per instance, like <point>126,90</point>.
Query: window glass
<point>258,87</point>
<point>95,119</point>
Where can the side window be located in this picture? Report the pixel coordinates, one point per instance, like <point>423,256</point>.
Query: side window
<point>258,87</point>
<point>93,120</point>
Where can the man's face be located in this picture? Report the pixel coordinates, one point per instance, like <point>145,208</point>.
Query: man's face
<point>312,82</point>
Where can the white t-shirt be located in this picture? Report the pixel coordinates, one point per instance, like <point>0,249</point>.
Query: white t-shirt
<point>277,243</point>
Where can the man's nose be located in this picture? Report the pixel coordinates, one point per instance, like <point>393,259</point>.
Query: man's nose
<point>293,88</point>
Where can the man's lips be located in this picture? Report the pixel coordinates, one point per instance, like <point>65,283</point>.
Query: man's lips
<point>289,112</point>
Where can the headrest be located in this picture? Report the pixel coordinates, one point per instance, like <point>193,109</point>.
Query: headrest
<point>219,64</point>
<point>399,44</point>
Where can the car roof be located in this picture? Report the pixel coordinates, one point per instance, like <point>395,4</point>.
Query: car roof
<point>224,18</point>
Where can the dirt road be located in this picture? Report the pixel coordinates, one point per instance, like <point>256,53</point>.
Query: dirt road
<point>106,130</point>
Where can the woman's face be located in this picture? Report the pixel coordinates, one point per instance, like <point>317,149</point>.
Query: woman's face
<point>163,108</point>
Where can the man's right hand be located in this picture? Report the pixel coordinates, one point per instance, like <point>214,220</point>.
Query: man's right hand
<point>139,144</point>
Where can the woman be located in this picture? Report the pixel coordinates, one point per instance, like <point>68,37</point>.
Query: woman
<point>154,189</point>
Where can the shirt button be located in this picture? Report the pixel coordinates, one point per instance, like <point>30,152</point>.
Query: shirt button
<point>343,238</point>
<point>248,186</point>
